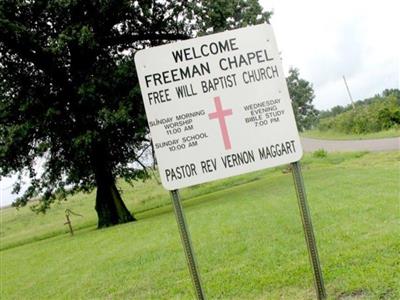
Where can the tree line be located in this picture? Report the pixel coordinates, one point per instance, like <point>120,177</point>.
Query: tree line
<point>373,114</point>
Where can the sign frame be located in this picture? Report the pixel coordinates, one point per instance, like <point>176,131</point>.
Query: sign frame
<point>218,106</point>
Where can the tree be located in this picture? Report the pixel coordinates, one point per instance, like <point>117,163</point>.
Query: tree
<point>69,92</point>
<point>336,110</point>
<point>302,94</point>
<point>218,15</point>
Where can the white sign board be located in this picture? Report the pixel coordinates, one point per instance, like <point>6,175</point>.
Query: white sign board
<point>217,106</point>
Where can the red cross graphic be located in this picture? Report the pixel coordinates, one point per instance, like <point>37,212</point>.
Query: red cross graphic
<point>220,114</point>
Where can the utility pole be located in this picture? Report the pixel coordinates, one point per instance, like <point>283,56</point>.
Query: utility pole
<point>348,91</point>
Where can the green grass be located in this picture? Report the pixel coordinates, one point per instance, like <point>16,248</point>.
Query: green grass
<point>21,226</point>
<point>334,135</point>
<point>246,232</point>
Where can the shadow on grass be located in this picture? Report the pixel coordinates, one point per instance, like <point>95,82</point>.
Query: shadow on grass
<point>50,235</point>
<point>149,213</point>
<point>189,202</point>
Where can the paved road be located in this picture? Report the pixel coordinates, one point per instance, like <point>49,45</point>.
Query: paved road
<point>388,144</point>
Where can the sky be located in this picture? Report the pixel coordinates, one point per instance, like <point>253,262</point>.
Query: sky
<point>325,40</point>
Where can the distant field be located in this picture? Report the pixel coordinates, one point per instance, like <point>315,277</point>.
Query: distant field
<point>333,135</point>
<point>246,232</point>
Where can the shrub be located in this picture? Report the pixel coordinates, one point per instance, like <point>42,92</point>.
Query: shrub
<point>379,113</point>
<point>320,153</point>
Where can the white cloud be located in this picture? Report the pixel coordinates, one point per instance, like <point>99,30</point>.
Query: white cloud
<point>329,39</point>
<point>5,190</point>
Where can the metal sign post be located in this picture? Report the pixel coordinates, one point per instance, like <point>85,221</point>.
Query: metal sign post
<point>308,230</point>
<point>187,244</point>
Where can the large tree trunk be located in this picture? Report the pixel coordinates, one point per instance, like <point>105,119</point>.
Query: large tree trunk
<point>110,208</point>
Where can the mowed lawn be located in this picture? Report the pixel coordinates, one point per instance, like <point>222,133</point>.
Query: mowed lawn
<point>246,232</point>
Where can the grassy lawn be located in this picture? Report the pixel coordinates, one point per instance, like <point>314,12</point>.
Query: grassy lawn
<point>334,135</point>
<point>246,232</point>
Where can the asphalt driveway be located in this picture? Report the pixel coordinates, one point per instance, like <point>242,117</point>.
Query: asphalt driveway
<point>388,144</point>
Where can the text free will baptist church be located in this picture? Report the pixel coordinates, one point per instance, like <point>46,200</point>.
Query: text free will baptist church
<point>203,68</point>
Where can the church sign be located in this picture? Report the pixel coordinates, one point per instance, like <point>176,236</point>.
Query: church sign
<point>217,106</point>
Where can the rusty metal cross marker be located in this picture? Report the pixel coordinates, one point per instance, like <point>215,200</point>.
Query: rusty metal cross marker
<point>69,212</point>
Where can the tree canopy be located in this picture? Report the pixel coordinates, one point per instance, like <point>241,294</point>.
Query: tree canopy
<point>302,94</point>
<point>69,93</point>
